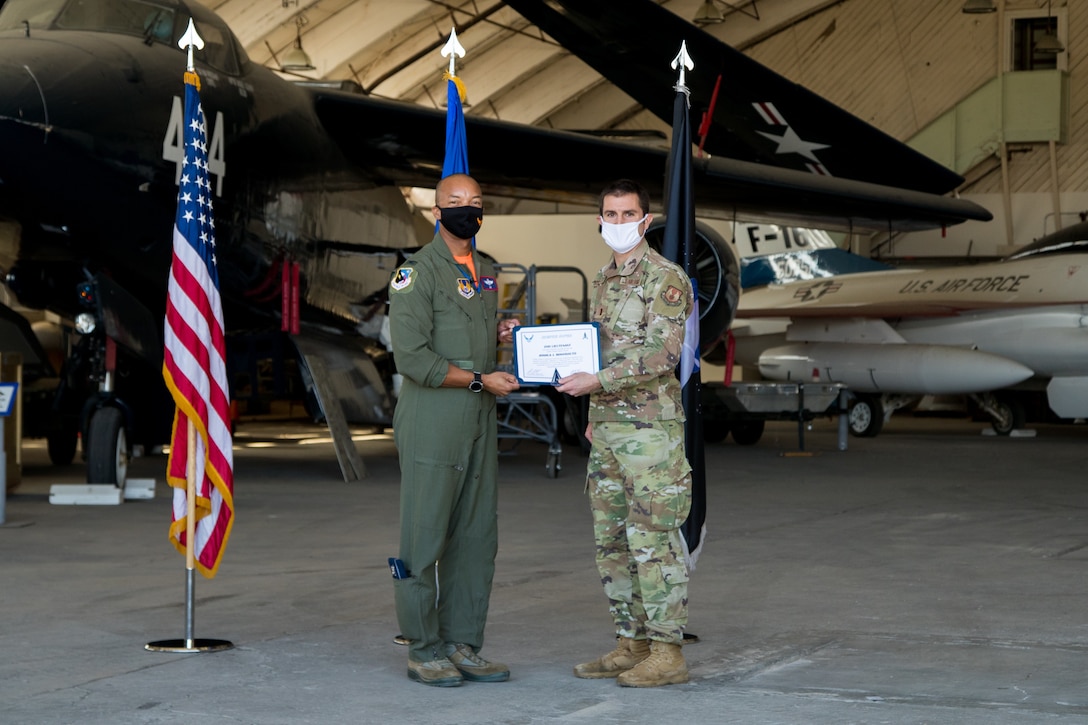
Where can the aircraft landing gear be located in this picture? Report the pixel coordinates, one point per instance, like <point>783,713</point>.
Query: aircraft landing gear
<point>107,447</point>
<point>869,412</point>
<point>866,416</point>
<point>1006,412</point>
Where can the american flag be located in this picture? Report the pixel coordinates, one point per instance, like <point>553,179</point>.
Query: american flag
<point>194,364</point>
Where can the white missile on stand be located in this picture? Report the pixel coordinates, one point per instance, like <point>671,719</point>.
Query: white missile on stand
<point>892,367</point>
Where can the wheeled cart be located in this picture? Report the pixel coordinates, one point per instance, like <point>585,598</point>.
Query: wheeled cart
<point>530,413</point>
<point>531,416</point>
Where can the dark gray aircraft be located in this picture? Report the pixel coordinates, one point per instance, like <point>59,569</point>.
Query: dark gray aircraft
<point>309,214</point>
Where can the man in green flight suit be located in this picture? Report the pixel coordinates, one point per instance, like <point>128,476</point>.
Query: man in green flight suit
<point>444,328</point>
<point>639,480</point>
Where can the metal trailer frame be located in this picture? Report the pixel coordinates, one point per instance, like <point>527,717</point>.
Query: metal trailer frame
<point>743,407</point>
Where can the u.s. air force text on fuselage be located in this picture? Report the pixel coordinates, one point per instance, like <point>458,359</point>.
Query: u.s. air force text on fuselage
<point>966,284</point>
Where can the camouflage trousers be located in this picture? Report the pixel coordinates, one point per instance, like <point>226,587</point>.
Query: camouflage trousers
<point>639,485</point>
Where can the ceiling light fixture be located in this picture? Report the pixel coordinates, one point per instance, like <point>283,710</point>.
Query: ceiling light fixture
<point>978,7</point>
<point>709,13</point>
<point>1049,43</point>
<point>297,59</point>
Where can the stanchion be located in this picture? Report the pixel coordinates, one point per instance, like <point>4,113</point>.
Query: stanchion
<point>801,417</point>
<point>844,418</point>
<point>3,475</point>
<point>190,643</point>
<point>801,423</point>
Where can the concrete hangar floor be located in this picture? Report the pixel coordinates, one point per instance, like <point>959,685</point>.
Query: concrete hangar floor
<point>930,575</point>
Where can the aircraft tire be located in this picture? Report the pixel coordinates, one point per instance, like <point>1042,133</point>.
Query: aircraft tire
<point>1012,416</point>
<point>107,454</point>
<point>748,432</point>
<point>866,416</point>
<point>62,445</point>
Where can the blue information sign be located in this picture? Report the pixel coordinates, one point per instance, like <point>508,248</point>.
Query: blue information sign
<point>7,398</point>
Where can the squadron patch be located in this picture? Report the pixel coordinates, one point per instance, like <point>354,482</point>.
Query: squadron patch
<point>488,284</point>
<point>672,296</point>
<point>464,286</point>
<point>402,278</point>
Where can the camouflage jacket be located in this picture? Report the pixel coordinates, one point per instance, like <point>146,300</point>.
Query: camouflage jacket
<point>642,308</point>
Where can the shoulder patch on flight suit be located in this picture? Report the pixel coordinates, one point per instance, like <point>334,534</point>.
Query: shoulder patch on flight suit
<point>402,279</point>
<point>672,296</point>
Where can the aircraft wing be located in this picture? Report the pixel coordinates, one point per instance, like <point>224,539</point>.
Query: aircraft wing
<point>759,116</point>
<point>404,144</point>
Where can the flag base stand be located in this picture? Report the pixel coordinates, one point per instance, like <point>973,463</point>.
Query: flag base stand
<point>188,645</point>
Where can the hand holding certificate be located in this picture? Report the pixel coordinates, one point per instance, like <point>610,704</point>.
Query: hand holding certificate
<point>545,353</point>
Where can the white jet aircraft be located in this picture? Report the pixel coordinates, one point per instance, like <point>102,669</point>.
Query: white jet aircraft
<point>894,334</point>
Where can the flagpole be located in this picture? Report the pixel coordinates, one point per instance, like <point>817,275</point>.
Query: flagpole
<point>190,532</point>
<point>678,247</point>
<point>189,40</point>
<point>190,643</point>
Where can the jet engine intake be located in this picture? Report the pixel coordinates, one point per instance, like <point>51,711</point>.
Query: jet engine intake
<point>717,278</point>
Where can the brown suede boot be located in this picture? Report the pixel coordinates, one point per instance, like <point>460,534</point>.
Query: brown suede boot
<point>664,666</point>
<point>628,653</point>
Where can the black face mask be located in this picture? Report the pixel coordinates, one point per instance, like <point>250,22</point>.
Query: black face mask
<point>462,221</point>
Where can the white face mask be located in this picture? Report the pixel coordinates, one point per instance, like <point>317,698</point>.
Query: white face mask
<point>622,238</point>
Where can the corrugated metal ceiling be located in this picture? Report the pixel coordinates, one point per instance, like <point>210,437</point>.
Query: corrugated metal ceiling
<point>512,71</point>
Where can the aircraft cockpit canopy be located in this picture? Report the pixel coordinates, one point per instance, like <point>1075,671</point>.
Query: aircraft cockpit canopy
<point>1071,239</point>
<point>155,21</point>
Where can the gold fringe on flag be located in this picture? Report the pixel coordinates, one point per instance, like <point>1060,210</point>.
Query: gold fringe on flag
<point>192,78</point>
<point>457,82</point>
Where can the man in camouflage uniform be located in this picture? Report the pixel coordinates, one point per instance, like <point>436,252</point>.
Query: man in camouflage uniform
<point>443,325</point>
<point>639,480</point>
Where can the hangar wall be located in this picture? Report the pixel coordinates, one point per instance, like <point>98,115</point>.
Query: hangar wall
<point>900,64</point>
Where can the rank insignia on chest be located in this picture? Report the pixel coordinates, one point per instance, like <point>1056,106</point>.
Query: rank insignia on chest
<point>672,296</point>
<point>402,278</point>
<point>464,286</point>
<point>488,284</point>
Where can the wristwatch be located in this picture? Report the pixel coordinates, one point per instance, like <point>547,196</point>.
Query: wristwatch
<point>477,385</point>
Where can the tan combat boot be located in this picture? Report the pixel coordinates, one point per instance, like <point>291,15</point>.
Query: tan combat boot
<point>628,653</point>
<point>664,666</point>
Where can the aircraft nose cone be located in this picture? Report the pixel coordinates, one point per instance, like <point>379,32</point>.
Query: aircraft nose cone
<point>994,372</point>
